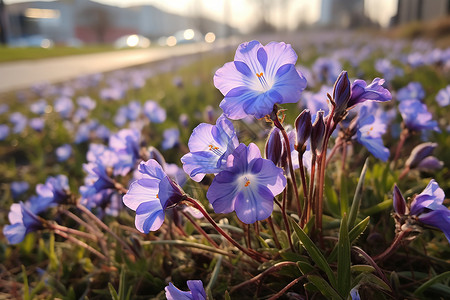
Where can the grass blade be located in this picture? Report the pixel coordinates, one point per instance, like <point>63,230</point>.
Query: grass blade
<point>353,235</point>
<point>430,282</point>
<point>357,197</point>
<point>344,260</point>
<point>314,252</point>
<point>324,287</point>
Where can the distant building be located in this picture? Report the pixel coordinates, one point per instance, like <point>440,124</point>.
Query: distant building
<point>342,13</point>
<point>93,22</point>
<point>420,10</point>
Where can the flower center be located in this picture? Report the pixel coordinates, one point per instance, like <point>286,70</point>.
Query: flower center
<point>215,149</point>
<point>263,81</point>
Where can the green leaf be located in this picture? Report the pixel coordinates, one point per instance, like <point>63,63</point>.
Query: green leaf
<point>430,282</point>
<point>353,235</point>
<point>344,194</point>
<point>324,287</point>
<point>331,197</point>
<point>113,292</point>
<point>357,197</point>
<point>305,267</point>
<point>227,296</point>
<point>344,260</point>
<point>26,288</point>
<point>362,269</point>
<point>314,252</point>
<point>386,204</point>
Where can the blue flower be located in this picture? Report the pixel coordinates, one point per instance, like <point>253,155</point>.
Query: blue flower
<point>150,195</point>
<point>19,121</point>
<point>429,208</point>
<point>259,77</point>
<point>18,188</point>
<point>209,147</point>
<point>327,69</point>
<point>37,124</point>
<point>171,138</point>
<point>362,92</point>
<point>23,220</point>
<point>63,152</point>
<point>413,90</point>
<point>247,185</point>
<point>4,131</point>
<point>416,116</point>
<point>369,131</point>
<point>196,291</point>
<point>55,191</point>
<point>154,112</point>
<point>64,106</point>
<point>443,96</point>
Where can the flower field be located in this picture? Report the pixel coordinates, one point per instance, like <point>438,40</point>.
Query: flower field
<point>311,168</point>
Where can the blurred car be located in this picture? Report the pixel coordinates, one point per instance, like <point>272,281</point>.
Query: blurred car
<point>31,41</point>
<point>132,41</point>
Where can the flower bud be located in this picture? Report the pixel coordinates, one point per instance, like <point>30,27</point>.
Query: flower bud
<point>399,202</point>
<point>341,94</point>
<point>303,128</point>
<point>274,146</point>
<point>419,153</point>
<point>430,163</point>
<point>317,133</point>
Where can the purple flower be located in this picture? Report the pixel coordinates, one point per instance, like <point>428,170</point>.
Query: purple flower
<point>385,67</point>
<point>125,144</point>
<point>38,107</point>
<point>196,291</point>
<point>63,152</point>
<point>209,147</point>
<point>247,185</point>
<point>430,210</point>
<point>37,124</point>
<point>316,101</point>
<point>23,220</point>
<point>362,92</point>
<point>154,112</point>
<point>327,69</point>
<point>443,96</point>
<point>121,116</point>
<point>83,133</point>
<point>4,131</point>
<point>19,121</point>
<point>134,110</point>
<point>413,90</point>
<point>369,131</point>
<point>86,102</point>
<point>18,188</point>
<point>150,195</point>
<point>259,77</point>
<point>64,106</point>
<point>55,191</point>
<point>416,116</point>
<point>171,138</point>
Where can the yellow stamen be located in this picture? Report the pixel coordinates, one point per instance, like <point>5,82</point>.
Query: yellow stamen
<point>247,183</point>
<point>259,75</point>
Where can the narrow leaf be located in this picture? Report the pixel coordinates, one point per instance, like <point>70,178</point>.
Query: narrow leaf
<point>343,195</point>
<point>324,287</point>
<point>362,269</point>
<point>314,252</point>
<point>353,235</point>
<point>430,282</point>
<point>344,259</point>
<point>357,197</point>
<point>112,291</point>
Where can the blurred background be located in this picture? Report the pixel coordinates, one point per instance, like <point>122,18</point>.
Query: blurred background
<point>143,23</point>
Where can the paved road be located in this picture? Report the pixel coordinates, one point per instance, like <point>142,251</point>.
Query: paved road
<point>23,74</point>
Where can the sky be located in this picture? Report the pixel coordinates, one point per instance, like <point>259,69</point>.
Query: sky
<point>243,14</point>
